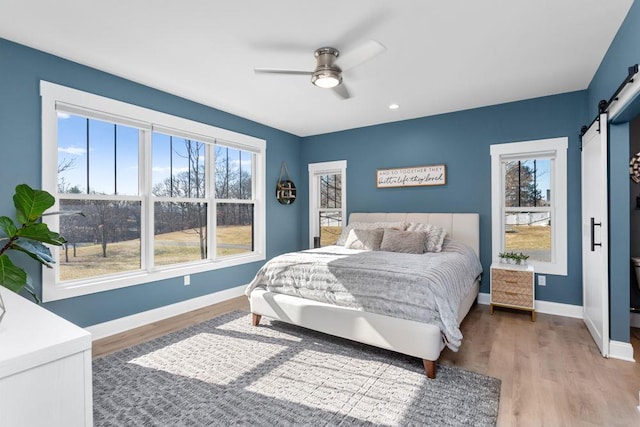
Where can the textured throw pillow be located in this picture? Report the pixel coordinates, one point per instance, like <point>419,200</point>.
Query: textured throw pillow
<point>368,226</point>
<point>408,242</point>
<point>435,238</point>
<point>364,239</point>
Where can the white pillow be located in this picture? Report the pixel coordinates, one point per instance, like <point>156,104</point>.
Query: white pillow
<point>364,239</point>
<point>368,226</point>
<point>435,236</point>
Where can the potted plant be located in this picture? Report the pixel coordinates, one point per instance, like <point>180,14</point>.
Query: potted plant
<point>27,235</point>
<point>513,258</point>
<point>522,258</point>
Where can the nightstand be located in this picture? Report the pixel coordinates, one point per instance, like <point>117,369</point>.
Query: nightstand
<point>513,286</point>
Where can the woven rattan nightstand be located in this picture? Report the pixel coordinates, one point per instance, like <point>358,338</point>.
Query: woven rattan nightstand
<point>512,286</point>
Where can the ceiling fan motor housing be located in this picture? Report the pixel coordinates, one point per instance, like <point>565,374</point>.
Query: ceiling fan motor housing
<point>326,74</point>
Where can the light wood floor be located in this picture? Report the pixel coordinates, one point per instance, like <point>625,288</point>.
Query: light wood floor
<point>551,371</point>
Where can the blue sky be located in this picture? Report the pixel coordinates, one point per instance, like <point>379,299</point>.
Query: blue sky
<point>117,170</point>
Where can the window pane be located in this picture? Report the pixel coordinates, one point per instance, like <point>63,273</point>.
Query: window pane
<point>234,170</point>
<point>527,183</point>
<point>180,232</point>
<point>330,227</point>
<point>108,153</point>
<point>529,233</point>
<point>106,240</point>
<point>178,166</point>
<point>234,231</point>
<point>331,191</point>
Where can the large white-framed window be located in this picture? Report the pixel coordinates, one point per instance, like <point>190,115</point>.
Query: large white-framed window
<point>529,202</point>
<point>161,196</point>
<point>327,201</point>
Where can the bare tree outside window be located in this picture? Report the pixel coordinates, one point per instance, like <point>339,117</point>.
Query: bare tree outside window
<point>527,207</point>
<point>330,208</point>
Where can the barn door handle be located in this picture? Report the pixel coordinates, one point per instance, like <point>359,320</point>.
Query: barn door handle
<point>594,224</point>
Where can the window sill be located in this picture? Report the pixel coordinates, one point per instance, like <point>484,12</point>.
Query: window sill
<point>548,268</point>
<point>52,292</point>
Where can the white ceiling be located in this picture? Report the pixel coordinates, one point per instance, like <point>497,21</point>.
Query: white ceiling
<point>441,56</point>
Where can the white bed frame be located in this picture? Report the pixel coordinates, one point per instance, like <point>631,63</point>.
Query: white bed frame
<point>409,337</point>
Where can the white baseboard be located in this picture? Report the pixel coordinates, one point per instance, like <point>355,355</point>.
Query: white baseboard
<point>621,350</point>
<point>546,307</point>
<point>635,320</point>
<point>112,327</point>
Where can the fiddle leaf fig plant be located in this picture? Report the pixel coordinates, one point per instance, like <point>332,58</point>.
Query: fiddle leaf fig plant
<point>27,235</point>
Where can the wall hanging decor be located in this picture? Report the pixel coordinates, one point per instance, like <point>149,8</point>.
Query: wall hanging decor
<point>286,189</point>
<point>411,177</point>
<point>634,168</point>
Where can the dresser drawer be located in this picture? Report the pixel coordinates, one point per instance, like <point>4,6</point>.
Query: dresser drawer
<point>512,298</point>
<point>513,282</point>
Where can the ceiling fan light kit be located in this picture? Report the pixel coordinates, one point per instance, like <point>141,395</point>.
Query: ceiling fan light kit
<point>326,74</point>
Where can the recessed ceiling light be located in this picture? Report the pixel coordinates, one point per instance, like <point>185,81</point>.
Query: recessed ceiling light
<point>394,106</point>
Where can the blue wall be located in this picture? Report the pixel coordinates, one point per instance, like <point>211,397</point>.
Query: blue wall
<point>460,140</point>
<point>21,70</point>
<point>623,52</point>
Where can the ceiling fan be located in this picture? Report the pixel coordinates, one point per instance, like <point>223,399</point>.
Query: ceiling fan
<point>331,64</point>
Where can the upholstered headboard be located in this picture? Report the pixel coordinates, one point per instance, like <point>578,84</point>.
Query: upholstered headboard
<point>464,227</point>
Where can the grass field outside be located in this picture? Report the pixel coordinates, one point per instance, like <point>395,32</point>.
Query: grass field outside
<point>329,235</point>
<point>170,248</point>
<point>533,240</point>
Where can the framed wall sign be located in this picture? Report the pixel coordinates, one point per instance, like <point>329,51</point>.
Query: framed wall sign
<point>411,177</point>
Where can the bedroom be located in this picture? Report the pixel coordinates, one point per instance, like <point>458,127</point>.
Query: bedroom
<point>459,139</point>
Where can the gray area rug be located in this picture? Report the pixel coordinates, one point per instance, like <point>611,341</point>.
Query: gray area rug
<point>226,372</point>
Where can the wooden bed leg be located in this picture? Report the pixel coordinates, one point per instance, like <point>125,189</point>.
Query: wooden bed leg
<point>429,368</point>
<point>255,319</point>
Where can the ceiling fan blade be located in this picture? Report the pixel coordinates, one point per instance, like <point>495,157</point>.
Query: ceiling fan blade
<point>360,54</point>
<point>341,91</point>
<point>279,71</point>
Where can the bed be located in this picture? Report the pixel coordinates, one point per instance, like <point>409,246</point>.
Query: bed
<point>416,335</point>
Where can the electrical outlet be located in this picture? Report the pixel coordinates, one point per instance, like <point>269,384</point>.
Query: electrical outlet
<point>542,280</point>
<point>187,280</point>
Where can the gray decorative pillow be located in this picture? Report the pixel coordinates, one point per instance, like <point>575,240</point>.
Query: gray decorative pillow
<point>368,226</point>
<point>408,242</point>
<point>435,238</point>
<point>364,239</point>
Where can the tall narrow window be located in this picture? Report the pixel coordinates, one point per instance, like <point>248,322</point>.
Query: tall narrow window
<point>234,201</point>
<point>327,202</point>
<point>529,202</point>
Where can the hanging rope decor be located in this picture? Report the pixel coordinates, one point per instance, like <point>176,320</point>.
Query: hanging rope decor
<point>286,189</point>
<point>634,168</point>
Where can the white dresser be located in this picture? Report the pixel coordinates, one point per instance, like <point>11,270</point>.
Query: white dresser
<point>45,368</point>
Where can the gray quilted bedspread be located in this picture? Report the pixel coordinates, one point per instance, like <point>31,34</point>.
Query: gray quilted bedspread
<point>426,288</point>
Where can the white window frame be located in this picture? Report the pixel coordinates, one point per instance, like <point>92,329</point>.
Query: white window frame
<point>316,170</point>
<point>556,149</point>
<point>98,107</point>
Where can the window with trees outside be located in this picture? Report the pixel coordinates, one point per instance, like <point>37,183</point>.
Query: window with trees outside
<point>529,202</point>
<point>145,195</point>
<point>327,202</point>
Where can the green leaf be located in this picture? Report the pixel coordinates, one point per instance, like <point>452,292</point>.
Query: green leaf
<point>35,250</point>
<point>11,277</point>
<point>30,204</point>
<point>8,226</point>
<point>41,233</point>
